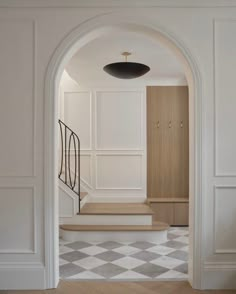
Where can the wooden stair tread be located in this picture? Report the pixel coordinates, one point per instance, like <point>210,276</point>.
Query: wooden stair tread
<point>155,200</point>
<point>116,209</point>
<point>83,194</point>
<point>158,226</point>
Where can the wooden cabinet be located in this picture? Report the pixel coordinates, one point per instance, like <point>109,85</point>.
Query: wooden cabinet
<point>172,213</point>
<point>168,152</point>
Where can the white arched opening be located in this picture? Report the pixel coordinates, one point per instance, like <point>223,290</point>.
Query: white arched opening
<point>82,35</point>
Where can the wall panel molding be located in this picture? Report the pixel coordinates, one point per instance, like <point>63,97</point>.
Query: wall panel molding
<point>142,130</point>
<point>98,187</point>
<point>217,172</point>
<point>33,23</point>
<point>90,115</point>
<point>33,250</point>
<point>217,219</point>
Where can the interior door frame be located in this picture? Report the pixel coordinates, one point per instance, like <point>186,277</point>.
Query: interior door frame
<point>76,39</point>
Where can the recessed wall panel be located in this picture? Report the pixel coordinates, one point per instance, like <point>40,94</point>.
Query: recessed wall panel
<point>17,220</point>
<point>118,172</point>
<point>225,102</point>
<point>119,120</point>
<point>17,63</point>
<point>225,219</point>
<point>77,115</point>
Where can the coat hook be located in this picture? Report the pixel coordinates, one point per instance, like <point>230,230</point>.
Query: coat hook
<point>157,124</point>
<point>181,124</point>
<point>170,124</point>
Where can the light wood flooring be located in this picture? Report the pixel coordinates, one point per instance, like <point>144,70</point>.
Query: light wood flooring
<point>68,287</point>
<point>116,208</point>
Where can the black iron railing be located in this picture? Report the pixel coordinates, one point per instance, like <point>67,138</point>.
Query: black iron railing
<point>69,166</point>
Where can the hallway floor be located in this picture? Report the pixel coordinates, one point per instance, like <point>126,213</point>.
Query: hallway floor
<point>126,261</point>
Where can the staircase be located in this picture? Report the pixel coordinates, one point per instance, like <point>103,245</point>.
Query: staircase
<point>85,221</point>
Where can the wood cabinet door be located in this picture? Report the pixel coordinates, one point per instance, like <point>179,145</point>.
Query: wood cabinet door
<point>164,212</point>
<point>167,142</point>
<point>181,214</point>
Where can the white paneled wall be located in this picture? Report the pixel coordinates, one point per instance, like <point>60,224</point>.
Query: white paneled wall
<point>111,125</point>
<point>35,39</point>
<point>225,102</point>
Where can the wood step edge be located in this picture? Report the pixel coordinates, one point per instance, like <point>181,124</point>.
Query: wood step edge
<point>167,200</point>
<point>116,209</point>
<point>116,228</point>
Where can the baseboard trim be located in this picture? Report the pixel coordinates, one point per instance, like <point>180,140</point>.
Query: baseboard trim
<point>23,276</point>
<point>219,275</point>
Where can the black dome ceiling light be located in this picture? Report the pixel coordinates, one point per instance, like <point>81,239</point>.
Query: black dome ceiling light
<point>126,70</point>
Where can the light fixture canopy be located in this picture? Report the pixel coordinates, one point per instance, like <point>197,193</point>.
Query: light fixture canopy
<point>126,70</point>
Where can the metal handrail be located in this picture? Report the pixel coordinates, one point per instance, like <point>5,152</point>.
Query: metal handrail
<point>69,175</point>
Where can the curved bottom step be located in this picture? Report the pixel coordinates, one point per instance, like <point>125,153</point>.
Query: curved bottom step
<point>102,233</point>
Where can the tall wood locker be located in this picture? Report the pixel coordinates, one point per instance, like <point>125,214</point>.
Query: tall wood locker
<point>168,153</point>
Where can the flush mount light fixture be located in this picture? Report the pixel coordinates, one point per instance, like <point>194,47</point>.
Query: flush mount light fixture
<point>126,70</point>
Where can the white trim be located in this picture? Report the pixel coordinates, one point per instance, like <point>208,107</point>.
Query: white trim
<point>220,251</point>
<point>83,34</point>
<point>116,4</point>
<point>34,104</point>
<point>141,91</point>
<point>34,245</point>
<point>217,265</point>
<point>90,115</point>
<point>217,173</point>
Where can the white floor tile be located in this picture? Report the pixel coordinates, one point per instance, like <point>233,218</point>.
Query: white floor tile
<point>89,262</point>
<point>93,250</point>
<point>128,262</point>
<point>127,250</point>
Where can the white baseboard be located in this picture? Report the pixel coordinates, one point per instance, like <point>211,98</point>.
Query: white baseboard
<point>117,199</point>
<point>14,276</point>
<point>102,236</point>
<point>219,275</point>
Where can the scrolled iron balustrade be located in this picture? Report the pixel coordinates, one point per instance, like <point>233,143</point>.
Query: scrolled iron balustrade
<point>68,174</point>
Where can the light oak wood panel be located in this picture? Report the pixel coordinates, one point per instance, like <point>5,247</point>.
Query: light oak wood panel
<point>172,213</point>
<point>163,212</point>
<point>116,208</point>
<point>155,200</point>
<point>181,214</point>
<point>94,287</point>
<point>167,141</point>
<point>158,226</point>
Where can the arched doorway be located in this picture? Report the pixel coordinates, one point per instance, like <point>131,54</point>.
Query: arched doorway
<point>75,40</point>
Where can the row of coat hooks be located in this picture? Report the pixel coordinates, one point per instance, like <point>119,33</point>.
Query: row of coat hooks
<point>157,124</point>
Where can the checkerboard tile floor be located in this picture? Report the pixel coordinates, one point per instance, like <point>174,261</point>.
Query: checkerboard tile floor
<point>126,261</point>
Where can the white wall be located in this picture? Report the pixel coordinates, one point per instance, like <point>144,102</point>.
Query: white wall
<point>111,124</point>
<point>29,38</point>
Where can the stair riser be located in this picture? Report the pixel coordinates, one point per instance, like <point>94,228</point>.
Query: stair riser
<point>101,236</point>
<point>108,220</point>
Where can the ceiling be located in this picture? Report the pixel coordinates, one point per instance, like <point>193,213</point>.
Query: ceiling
<point>86,66</point>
